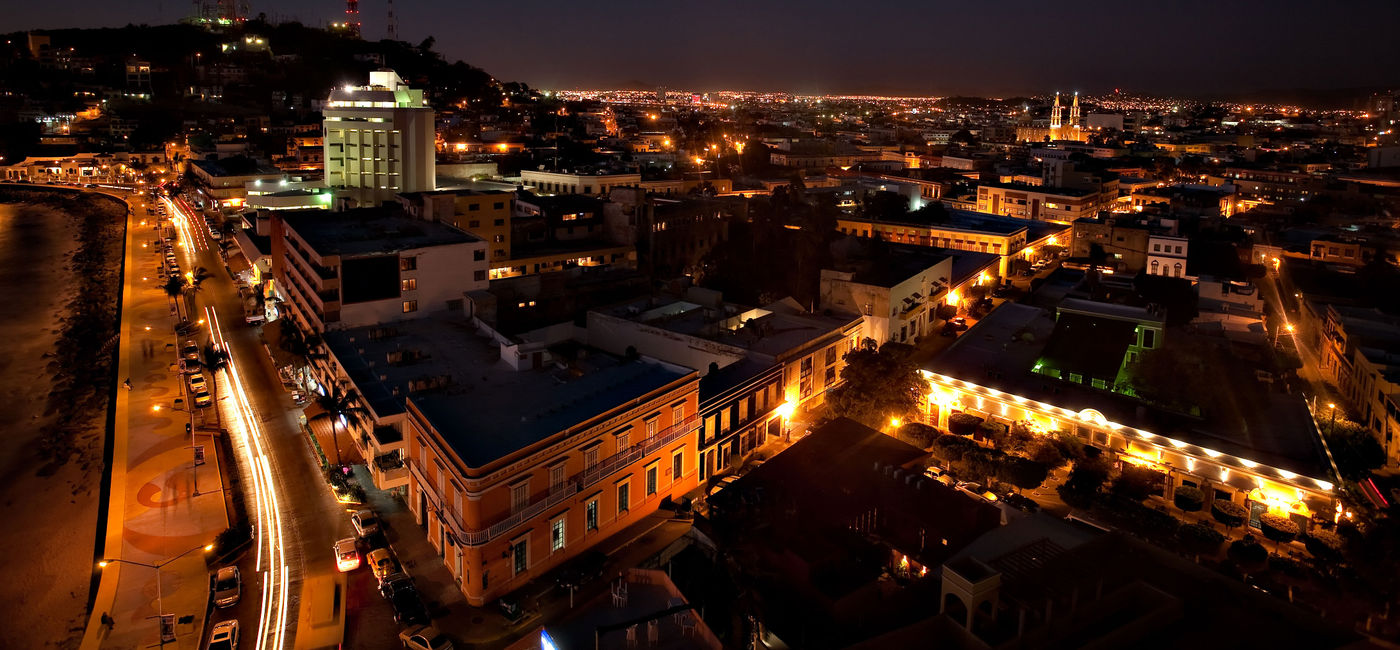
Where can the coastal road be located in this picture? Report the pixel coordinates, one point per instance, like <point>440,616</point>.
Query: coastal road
<point>297,519</point>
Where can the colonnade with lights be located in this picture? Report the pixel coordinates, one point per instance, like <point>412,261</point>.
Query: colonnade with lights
<point>1257,486</point>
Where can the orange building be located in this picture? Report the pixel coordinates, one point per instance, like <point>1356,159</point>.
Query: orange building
<point>520,456</point>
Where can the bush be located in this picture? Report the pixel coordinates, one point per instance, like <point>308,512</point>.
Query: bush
<point>1278,528</point>
<point>1228,512</point>
<point>918,434</point>
<point>1324,545</point>
<point>951,449</point>
<point>1087,476</point>
<point>1200,539</point>
<point>1248,555</point>
<point>231,540</point>
<point>963,424</point>
<point>1134,482</point>
<point>1189,499</point>
<point>1047,453</point>
<point>1023,473</point>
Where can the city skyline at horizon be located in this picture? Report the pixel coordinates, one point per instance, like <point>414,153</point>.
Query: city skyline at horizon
<point>818,53</point>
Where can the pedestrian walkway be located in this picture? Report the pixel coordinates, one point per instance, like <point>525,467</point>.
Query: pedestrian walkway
<point>163,509</point>
<point>542,601</point>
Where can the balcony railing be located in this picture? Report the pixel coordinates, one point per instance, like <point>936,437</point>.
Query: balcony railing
<point>563,492</point>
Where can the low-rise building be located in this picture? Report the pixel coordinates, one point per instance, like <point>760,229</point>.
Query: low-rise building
<point>702,330</point>
<point>1007,237</point>
<point>371,265</point>
<point>898,295</point>
<point>224,182</point>
<point>521,455</point>
<point>1043,203</point>
<point>1166,255</point>
<point>588,184</point>
<point>1359,356</point>
<point>990,373</point>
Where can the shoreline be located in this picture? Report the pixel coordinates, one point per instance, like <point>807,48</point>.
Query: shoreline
<point>62,255</point>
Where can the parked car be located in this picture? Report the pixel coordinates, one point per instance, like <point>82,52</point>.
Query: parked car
<point>933,472</point>
<point>202,398</point>
<point>409,609</point>
<point>395,583</point>
<point>424,637</point>
<point>90,185</point>
<point>723,483</point>
<point>228,587</point>
<point>381,562</point>
<point>224,636</point>
<point>1001,291</point>
<point>198,383</point>
<point>254,318</point>
<point>190,351</point>
<point>365,523</point>
<point>958,322</point>
<point>347,557</point>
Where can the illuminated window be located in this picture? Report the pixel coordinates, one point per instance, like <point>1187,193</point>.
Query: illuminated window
<point>556,535</point>
<point>408,284</point>
<point>410,306</point>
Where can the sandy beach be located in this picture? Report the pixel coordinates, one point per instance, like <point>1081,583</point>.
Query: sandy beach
<point>53,459</point>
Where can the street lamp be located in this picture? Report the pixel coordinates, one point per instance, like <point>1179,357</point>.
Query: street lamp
<point>160,603</point>
<point>1332,424</point>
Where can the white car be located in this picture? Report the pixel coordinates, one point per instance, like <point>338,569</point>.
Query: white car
<point>224,636</point>
<point>365,523</point>
<point>424,637</point>
<point>347,557</point>
<point>198,384</point>
<point>228,587</point>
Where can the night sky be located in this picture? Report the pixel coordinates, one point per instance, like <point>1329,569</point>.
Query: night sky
<point>993,47</point>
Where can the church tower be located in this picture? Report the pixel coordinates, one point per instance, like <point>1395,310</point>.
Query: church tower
<point>1074,118</point>
<point>1057,113</point>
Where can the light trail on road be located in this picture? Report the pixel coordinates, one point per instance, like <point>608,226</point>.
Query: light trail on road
<point>271,540</point>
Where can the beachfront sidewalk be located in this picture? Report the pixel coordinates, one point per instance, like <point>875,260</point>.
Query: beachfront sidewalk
<point>161,505</point>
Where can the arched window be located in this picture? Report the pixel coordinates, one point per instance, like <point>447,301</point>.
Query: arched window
<point>1154,268</point>
<point>1177,270</point>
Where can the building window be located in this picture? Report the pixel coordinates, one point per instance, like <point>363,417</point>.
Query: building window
<point>410,306</point>
<point>408,284</point>
<point>498,206</point>
<point>556,477</point>
<point>479,276</point>
<point>499,222</point>
<point>474,223</point>
<point>590,515</point>
<point>521,550</point>
<point>677,464</point>
<point>652,424</point>
<point>590,457</point>
<point>408,263</point>
<point>1149,338</point>
<point>624,493</point>
<point>556,535</point>
<point>651,479</point>
<point>499,239</point>
<point>478,254</point>
<point>519,496</point>
<point>475,207</point>
<point>622,441</point>
<point>677,414</point>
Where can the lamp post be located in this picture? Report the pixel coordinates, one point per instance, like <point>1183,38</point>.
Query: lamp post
<point>160,603</point>
<point>1332,424</point>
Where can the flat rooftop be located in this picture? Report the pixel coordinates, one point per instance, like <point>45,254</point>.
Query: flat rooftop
<point>770,330</point>
<point>370,230</point>
<point>484,409</point>
<point>1261,425</point>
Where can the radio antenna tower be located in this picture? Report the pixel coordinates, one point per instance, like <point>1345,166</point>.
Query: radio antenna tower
<point>352,17</point>
<point>391,25</point>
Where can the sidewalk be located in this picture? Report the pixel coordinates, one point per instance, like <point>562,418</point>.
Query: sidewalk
<point>160,505</point>
<point>485,627</point>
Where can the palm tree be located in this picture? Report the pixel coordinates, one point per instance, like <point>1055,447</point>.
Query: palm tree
<point>338,404</point>
<point>192,281</point>
<point>175,288</point>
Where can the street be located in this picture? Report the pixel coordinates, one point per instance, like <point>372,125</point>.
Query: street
<point>297,518</point>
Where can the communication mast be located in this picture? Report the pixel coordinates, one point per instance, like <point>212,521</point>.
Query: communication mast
<point>391,25</point>
<point>352,17</point>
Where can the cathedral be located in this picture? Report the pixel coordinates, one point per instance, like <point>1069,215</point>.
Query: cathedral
<point>1060,129</point>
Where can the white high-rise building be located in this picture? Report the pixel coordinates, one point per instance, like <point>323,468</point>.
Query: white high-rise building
<point>379,140</point>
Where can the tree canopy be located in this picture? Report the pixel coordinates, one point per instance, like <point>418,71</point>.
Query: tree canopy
<point>878,384</point>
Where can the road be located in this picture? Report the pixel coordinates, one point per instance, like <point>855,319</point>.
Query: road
<point>297,520</point>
